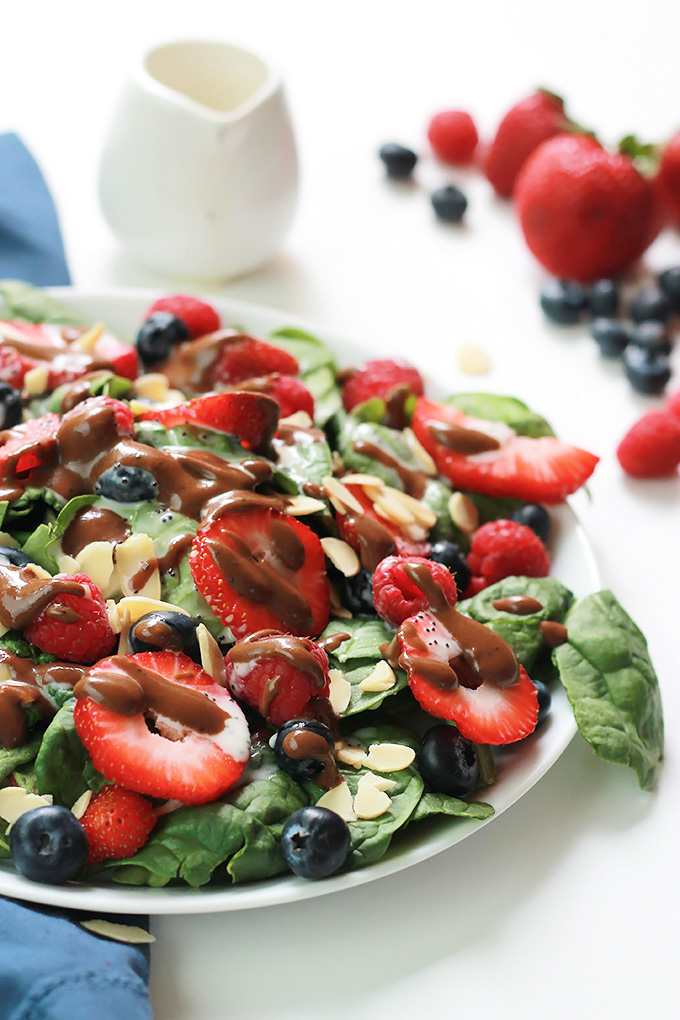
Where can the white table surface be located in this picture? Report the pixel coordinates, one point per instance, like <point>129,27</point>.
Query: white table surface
<point>567,905</point>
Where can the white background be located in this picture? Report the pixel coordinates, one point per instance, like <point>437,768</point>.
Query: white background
<point>567,905</point>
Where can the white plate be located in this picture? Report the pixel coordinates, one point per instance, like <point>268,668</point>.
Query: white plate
<point>572,562</point>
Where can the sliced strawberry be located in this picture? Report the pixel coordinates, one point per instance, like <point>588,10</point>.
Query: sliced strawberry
<point>384,538</point>
<point>30,445</point>
<point>289,392</point>
<point>248,357</point>
<point>14,366</point>
<point>75,628</point>
<point>252,417</point>
<point>155,751</point>
<point>277,674</point>
<point>543,470</point>
<point>485,714</point>
<point>117,823</point>
<point>261,569</point>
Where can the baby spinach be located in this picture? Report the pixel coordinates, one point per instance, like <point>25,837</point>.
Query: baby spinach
<point>12,757</point>
<point>492,407</point>
<point>611,685</point>
<point>432,804</point>
<point>63,767</point>
<point>20,300</point>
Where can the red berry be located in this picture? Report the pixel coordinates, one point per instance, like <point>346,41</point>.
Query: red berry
<point>585,213</point>
<point>378,379</point>
<point>157,754</point>
<point>75,628</point>
<point>277,674</point>
<point>667,179</point>
<point>248,357</point>
<point>542,470</point>
<point>14,366</point>
<point>396,597</point>
<point>672,405</point>
<point>505,548</point>
<point>376,541</point>
<point>651,448</point>
<point>531,121</point>
<point>198,316</point>
<point>29,445</point>
<point>453,137</point>
<point>252,417</point>
<point>260,569</point>
<point>122,415</point>
<point>117,823</point>
<point>289,392</point>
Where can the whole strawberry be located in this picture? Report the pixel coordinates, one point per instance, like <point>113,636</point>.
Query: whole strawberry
<point>668,178</point>
<point>586,213</point>
<point>531,121</point>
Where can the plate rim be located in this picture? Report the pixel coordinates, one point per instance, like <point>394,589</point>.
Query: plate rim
<point>282,889</point>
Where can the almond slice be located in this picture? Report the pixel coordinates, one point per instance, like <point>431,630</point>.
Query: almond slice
<point>389,757</point>
<point>133,555</point>
<point>87,341</point>
<point>353,756</point>
<point>36,379</point>
<point>340,691</point>
<point>300,419</point>
<point>82,804</point>
<point>392,510</point>
<point>15,802</point>
<point>361,479</point>
<point>341,556</point>
<point>96,560</point>
<point>301,506</point>
<point>340,496</point>
<point>369,801</point>
<point>420,453</point>
<point>421,514</point>
<point>212,659</point>
<point>339,799</point>
<point>129,933</point>
<point>151,386</point>
<point>380,782</point>
<point>381,679</point>
<point>463,512</point>
<point>473,360</point>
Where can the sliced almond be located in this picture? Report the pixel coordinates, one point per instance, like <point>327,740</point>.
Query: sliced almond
<point>87,341</point>
<point>473,360</point>
<point>463,512</point>
<point>151,386</point>
<point>36,379</point>
<point>5,674</point>
<point>212,659</point>
<point>340,496</point>
<point>15,802</point>
<point>341,556</point>
<point>38,571</point>
<point>82,804</point>
<point>389,757</point>
<point>129,933</point>
<point>417,533</point>
<point>338,799</point>
<point>420,453</point>
<point>302,506</point>
<point>340,691</point>
<point>67,564</point>
<point>124,624</point>
<point>361,479</point>
<point>380,782</point>
<point>422,514</point>
<point>381,679</point>
<point>369,801</point>
<point>133,555</point>
<point>96,560</point>
<point>136,606</point>
<point>353,756</point>
<point>385,505</point>
<point>300,419</point>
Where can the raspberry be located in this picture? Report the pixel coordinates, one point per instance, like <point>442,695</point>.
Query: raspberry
<point>502,549</point>
<point>651,448</point>
<point>198,316</point>
<point>123,417</point>
<point>396,597</point>
<point>378,379</point>
<point>117,823</point>
<point>453,137</point>
<point>75,628</point>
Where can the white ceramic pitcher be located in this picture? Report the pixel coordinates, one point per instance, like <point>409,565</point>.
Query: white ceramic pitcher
<point>198,176</point>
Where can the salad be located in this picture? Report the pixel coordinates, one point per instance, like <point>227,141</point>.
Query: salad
<point>259,615</point>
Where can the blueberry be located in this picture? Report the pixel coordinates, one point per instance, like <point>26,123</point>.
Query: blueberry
<point>646,372</point>
<point>533,516</point>
<point>399,161</point>
<point>48,844</point>
<point>447,761</point>
<point>449,203</point>
<point>652,336</point>
<point>14,557</point>
<point>165,630</point>
<point>11,406</point>
<point>544,700</point>
<point>669,282</point>
<point>604,299</point>
<point>303,768</point>
<point>453,558</point>
<point>358,594</point>
<point>563,302</point>
<point>650,303</point>
<point>611,336</point>
<point>126,484</point>
<point>315,842</point>
<point>157,336</point>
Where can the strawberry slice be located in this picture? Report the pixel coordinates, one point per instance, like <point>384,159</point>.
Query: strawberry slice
<point>248,357</point>
<point>289,392</point>
<point>28,446</point>
<point>497,461</point>
<point>261,569</point>
<point>252,417</point>
<point>487,713</point>
<point>158,743</point>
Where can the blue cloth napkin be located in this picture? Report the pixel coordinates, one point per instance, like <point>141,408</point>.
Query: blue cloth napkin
<point>50,967</point>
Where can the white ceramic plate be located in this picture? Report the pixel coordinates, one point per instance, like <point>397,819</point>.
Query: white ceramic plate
<point>572,562</point>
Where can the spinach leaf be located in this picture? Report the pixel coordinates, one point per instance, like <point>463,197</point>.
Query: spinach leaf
<point>611,685</point>
<point>492,407</point>
<point>16,643</point>
<point>365,638</point>
<point>522,633</point>
<point>4,840</point>
<point>317,370</point>
<point>21,300</point>
<point>272,801</point>
<point>363,701</point>
<point>431,804</point>
<point>40,544</point>
<point>12,757</point>
<point>63,767</point>
<point>308,460</point>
